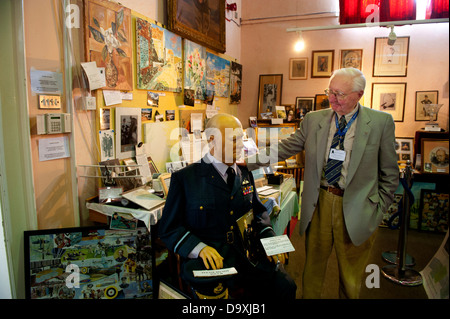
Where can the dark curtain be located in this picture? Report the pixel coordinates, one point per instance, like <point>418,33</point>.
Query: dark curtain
<point>437,9</point>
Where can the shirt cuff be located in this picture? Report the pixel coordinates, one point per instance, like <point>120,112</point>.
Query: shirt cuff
<point>194,252</point>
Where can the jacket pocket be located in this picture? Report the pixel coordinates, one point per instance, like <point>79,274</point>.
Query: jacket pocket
<point>200,213</point>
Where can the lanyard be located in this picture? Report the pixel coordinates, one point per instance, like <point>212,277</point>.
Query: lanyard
<point>342,134</point>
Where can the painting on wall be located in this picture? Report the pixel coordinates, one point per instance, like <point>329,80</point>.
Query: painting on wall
<point>108,42</point>
<point>351,58</point>
<point>235,83</point>
<point>322,65</point>
<point>89,263</point>
<point>217,75</point>
<point>389,98</point>
<point>199,21</point>
<point>195,68</point>
<point>391,60</point>
<point>158,58</point>
<point>270,91</point>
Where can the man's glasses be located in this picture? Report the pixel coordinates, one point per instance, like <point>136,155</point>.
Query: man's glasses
<point>337,94</point>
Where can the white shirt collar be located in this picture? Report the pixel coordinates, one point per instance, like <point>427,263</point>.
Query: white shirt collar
<point>219,166</point>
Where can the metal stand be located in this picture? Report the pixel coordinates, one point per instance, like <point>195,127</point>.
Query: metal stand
<point>400,273</point>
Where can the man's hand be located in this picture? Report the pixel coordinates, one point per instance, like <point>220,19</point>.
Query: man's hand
<point>280,258</point>
<point>210,256</point>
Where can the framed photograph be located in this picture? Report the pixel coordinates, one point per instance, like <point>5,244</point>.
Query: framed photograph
<point>433,211</point>
<point>290,112</point>
<point>269,96</point>
<point>109,43</point>
<point>423,98</point>
<point>391,60</point>
<point>298,69</point>
<point>404,146</point>
<point>128,131</point>
<point>235,82</point>
<point>89,263</point>
<point>199,21</point>
<point>165,182</point>
<point>106,138</point>
<point>322,64</point>
<point>321,102</point>
<point>389,98</point>
<point>435,156</point>
<point>351,58</point>
<point>303,105</point>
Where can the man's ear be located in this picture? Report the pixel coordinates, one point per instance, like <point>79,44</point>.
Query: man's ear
<point>211,139</point>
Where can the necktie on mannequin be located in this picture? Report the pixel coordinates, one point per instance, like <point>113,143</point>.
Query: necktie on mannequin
<point>333,167</point>
<point>230,177</point>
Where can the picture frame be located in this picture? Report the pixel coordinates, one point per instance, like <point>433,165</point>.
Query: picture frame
<point>298,69</point>
<point>435,156</point>
<point>303,105</point>
<point>204,24</point>
<point>270,90</point>
<point>59,260</point>
<point>422,98</point>
<point>290,112</point>
<point>117,61</point>
<point>322,65</point>
<point>351,58</point>
<point>267,133</point>
<point>391,60</point>
<point>321,102</point>
<point>235,83</point>
<point>389,98</point>
<point>404,147</point>
<point>128,131</point>
<point>152,38</point>
<point>433,211</point>
<point>165,182</point>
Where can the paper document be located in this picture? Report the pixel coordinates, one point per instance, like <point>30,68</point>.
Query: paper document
<point>95,78</point>
<point>215,272</point>
<point>277,245</point>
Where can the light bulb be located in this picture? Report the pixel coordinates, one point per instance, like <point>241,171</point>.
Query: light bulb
<point>300,44</point>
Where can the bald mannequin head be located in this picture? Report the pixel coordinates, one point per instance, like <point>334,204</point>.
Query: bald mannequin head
<point>224,133</point>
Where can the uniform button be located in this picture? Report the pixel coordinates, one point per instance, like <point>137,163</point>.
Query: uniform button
<point>231,228</point>
<point>231,213</point>
<point>231,197</point>
<point>201,207</point>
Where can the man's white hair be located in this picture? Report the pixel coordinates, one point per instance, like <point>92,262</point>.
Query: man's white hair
<point>358,78</point>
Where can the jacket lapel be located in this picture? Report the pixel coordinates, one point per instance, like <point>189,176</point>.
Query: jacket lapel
<point>212,176</point>
<point>362,133</point>
<point>321,139</point>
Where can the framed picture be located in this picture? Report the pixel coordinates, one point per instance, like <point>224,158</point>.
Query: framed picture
<point>165,182</point>
<point>433,211</point>
<point>290,112</point>
<point>109,43</point>
<point>199,21</point>
<point>150,39</point>
<point>391,60</point>
<point>235,82</point>
<point>106,138</point>
<point>303,105</point>
<point>267,133</point>
<point>391,217</point>
<point>321,102</point>
<point>404,146</point>
<point>269,96</point>
<point>351,58</point>
<point>128,131</point>
<point>89,263</point>
<point>435,155</point>
<point>423,98</point>
<point>217,75</point>
<point>322,64</point>
<point>298,69</point>
<point>389,98</point>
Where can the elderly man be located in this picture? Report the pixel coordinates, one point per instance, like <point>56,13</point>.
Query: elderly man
<point>350,177</point>
<point>201,220</point>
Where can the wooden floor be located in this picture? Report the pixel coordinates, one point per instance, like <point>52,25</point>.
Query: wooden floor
<point>420,245</point>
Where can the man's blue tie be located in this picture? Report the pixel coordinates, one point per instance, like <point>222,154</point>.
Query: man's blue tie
<point>333,167</point>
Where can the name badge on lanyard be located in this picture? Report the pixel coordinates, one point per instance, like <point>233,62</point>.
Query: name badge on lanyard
<point>338,155</point>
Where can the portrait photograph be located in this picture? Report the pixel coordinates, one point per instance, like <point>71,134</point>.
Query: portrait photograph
<point>435,156</point>
<point>298,69</point>
<point>322,64</point>
<point>128,131</point>
<point>303,105</point>
<point>423,98</point>
<point>351,58</point>
<point>270,89</point>
<point>321,102</point>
